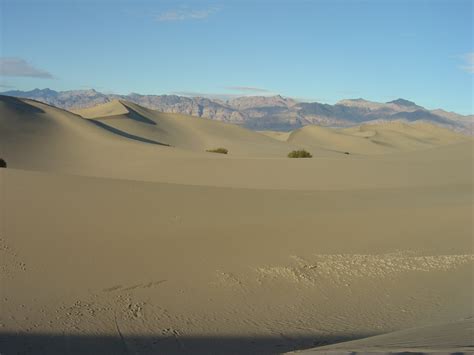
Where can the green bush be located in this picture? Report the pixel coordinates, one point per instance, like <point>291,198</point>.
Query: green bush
<point>299,154</point>
<point>218,150</point>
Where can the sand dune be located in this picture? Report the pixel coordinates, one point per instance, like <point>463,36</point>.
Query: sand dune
<point>376,138</point>
<point>66,143</point>
<point>187,132</point>
<point>112,242</point>
<point>37,136</point>
<point>112,108</point>
<point>453,337</point>
<point>200,134</point>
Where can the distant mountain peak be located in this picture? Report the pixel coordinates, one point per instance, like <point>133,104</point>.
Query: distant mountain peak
<point>403,102</point>
<point>44,91</point>
<point>360,100</point>
<point>252,102</point>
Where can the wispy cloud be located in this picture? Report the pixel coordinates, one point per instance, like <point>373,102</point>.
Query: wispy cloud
<point>468,62</point>
<point>10,66</point>
<point>184,13</point>
<point>248,89</point>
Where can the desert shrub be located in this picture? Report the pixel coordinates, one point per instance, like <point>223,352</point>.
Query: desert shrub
<point>3,163</point>
<point>218,150</point>
<point>299,154</point>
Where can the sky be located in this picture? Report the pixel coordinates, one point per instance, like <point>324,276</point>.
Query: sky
<point>319,50</point>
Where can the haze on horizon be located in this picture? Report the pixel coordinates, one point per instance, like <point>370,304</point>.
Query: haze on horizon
<point>312,51</point>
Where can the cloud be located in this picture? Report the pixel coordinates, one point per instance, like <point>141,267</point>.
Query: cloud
<point>469,62</point>
<point>10,66</point>
<point>185,13</point>
<point>248,89</point>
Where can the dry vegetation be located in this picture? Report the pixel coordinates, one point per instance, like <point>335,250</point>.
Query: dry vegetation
<point>299,154</point>
<point>218,150</point>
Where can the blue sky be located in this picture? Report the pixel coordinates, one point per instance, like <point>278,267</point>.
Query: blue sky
<point>311,50</point>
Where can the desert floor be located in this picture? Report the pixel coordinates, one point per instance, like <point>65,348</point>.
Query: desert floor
<point>119,234</point>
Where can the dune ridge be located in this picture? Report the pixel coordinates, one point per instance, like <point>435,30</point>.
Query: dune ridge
<point>186,132</point>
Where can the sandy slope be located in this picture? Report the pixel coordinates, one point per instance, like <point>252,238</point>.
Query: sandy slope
<point>186,268</point>
<point>281,136</point>
<point>376,138</point>
<point>452,337</point>
<point>114,245</point>
<point>181,131</point>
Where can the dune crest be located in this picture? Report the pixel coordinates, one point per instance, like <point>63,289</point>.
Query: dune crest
<point>112,108</point>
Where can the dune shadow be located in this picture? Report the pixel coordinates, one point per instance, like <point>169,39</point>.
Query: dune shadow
<point>125,134</point>
<point>19,105</point>
<point>169,343</point>
<point>132,114</point>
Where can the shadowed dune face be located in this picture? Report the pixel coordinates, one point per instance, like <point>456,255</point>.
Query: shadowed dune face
<point>15,106</point>
<point>60,344</point>
<point>125,134</point>
<point>111,243</point>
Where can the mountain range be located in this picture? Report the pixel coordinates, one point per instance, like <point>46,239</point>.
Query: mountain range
<point>262,112</point>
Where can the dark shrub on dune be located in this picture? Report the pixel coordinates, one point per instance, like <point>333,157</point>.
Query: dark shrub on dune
<point>218,150</point>
<point>3,163</point>
<point>299,154</point>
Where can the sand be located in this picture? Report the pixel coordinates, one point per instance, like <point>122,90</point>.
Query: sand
<point>446,338</point>
<point>112,244</point>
